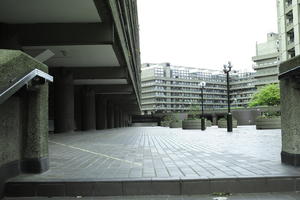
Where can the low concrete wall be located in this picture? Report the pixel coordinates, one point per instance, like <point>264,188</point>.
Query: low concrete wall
<point>246,117</point>
<point>145,124</point>
<point>10,139</point>
<point>191,124</point>
<point>273,123</point>
<point>223,123</point>
<point>177,124</point>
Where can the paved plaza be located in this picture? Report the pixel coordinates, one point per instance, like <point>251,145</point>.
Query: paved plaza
<point>162,153</point>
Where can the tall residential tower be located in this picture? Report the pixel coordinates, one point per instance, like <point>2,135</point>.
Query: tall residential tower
<point>266,61</point>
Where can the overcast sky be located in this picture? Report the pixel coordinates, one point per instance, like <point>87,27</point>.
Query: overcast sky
<point>204,33</point>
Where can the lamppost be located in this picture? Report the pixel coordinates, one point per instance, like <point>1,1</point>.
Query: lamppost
<point>227,69</point>
<point>202,85</point>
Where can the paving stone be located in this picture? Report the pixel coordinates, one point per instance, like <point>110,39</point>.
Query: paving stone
<point>156,152</point>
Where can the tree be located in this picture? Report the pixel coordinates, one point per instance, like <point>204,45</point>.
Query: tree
<point>269,95</point>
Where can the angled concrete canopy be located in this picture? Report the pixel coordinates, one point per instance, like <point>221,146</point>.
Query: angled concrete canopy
<point>95,42</point>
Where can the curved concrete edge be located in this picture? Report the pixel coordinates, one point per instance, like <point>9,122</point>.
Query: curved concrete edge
<point>176,124</point>
<point>191,124</point>
<point>272,123</point>
<point>223,124</point>
<point>153,187</point>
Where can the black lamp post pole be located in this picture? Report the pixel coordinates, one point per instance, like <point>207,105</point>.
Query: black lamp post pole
<point>202,115</point>
<point>229,115</point>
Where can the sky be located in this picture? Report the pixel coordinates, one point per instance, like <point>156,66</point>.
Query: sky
<point>204,33</point>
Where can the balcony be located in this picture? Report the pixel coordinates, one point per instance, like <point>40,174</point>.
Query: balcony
<point>289,25</point>
<point>288,7</point>
<point>290,44</point>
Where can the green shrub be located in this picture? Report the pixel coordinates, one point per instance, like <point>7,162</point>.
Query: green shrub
<point>269,95</point>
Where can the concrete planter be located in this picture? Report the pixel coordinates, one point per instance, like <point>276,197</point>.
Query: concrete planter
<point>268,123</point>
<point>165,124</point>
<point>176,124</point>
<point>208,123</point>
<point>191,124</point>
<point>222,123</point>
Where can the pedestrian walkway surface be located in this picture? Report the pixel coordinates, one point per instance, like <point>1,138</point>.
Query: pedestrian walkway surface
<point>161,161</point>
<point>263,196</point>
<point>157,152</point>
<point>164,153</point>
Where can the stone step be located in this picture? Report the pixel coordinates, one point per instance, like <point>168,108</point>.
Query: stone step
<point>260,196</point>
<point>90,187</point>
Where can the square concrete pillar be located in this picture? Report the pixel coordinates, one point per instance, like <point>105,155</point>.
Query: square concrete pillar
<point>101,113</point>
<point>116,117</point>
<point>88,109</point>
<point>290,117</point>
<point>63,101</point>
<point>110,115</point>
<point>35,145</point>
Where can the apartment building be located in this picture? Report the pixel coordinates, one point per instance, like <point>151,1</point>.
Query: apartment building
<point>266,61</point>
<point>167,88</point>
<point>289,28</point>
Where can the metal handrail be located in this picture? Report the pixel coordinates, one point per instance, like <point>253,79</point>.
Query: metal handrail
<point>4,95</point>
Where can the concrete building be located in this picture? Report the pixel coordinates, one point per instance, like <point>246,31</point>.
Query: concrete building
<point>167,88</point>
<point>266,61</point>
<point>289,75</point>
<point>288,27</point>
<point>90,47</point>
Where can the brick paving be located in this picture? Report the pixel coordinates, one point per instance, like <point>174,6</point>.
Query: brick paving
<point>164,153</point>
<point>263,196</point>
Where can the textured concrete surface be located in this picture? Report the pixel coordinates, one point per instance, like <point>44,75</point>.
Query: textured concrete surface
<point>290,116</point>
<point>9,134</point>
<point>15,64</point>
<point>261,196</point>
<point>162,153</point>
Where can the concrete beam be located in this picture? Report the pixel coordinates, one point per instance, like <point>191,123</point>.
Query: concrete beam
<point>49,34</point>
<point>99,72</point>
<point>103,10</point>
<point>112,89</point>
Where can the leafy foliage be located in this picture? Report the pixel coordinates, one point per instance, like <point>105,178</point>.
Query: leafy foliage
<point>194,112</point>
<point>266,96</point>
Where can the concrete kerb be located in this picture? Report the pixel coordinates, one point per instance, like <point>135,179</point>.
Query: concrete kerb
<point>151,186</point>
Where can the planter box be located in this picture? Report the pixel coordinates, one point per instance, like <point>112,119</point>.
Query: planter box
<point>223,123</point>
<point>271,123</point>
<point>177,124</point>
<point>165,124</point>
<point>208,123</point>
<point>191,124</point>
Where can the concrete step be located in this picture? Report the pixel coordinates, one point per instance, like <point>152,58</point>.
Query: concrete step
<point>91,187</point>
<point>260,196</point>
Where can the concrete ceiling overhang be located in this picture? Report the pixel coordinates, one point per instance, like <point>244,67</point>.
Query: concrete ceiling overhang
<point>48,11</point>
<point>81,34</point>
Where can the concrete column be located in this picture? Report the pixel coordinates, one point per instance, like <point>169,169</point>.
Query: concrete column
<point>214,120</point>
<point>88,109</point>
<point>117,117</point>
<point>78,108</point>
<point>121,119</point>
<point>110,115</point>
<point>101,113</point>
<point>290,115</point>
<point>125,120</point>
<point>129,120</point>
<point>35,141</point>
<point>63,101</point>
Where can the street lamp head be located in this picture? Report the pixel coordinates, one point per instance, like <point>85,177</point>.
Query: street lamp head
<point>229,65</point>
<point>227,68</point>
<point>202,84</point>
